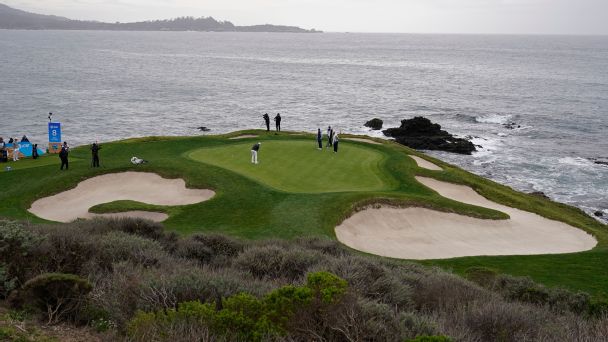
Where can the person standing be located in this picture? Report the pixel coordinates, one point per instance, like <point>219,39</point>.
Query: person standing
<point>336,140</point>
<point>277,121</point>
<point>320,139</point>
<point>35,151</point>
<point>63,155</point>
<point>267,121</point>
<point>15,149</point>
<point>95,153</point>
<point>254,152</point>
<point>330,136</point>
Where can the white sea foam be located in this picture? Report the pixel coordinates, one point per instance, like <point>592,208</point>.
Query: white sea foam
<point>576,161</point>
<point>493,119</point>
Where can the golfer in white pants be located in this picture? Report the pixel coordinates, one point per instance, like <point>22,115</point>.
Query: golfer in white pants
<point>254,153</point>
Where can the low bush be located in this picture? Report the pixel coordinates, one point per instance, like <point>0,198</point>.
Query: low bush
<point>277,262</point>
<point>371,279</point>
<point>428,338</point>
<point>57,295</point>
<point>215,288</point>
<point>482,276</point>
<point>246,318</point>
<point>498,321</point>
<point>16,244</point>
<point>118,246</point>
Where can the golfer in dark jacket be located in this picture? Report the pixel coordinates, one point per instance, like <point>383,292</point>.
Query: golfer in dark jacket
<point>320,139</point>
<point>95,153</point>
<point>267,121</point>
<point>63,155</point>
<point>330,136</point>
<point>35,151</point>
<point>277,121</point>
<point>254,152</point>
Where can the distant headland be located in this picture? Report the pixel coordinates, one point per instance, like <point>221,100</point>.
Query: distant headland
<point>14,19</point>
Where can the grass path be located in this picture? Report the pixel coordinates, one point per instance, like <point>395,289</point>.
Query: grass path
<point>254,203</point>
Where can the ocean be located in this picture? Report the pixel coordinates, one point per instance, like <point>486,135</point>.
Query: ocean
<point>112,85</point>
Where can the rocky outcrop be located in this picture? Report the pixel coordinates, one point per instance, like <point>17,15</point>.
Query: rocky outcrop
<point>420,133</point>
<point>375,124</point>
<point>539,194</point>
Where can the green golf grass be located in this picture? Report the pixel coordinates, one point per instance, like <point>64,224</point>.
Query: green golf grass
<point>27,163</point>
<point>298,191</point>
<point>299,167</point>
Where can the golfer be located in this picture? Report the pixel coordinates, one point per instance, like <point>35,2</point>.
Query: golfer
<point>267,121</point>
<point>95,153</point>
<point>35,152</point>
<point>336,140</point>
<point>63,155</point>
<point>330,136</point>
<point>277,121</point>
<point>320,139</point>
<point>254,153</point>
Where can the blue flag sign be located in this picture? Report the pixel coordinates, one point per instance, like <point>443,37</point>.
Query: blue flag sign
<point>54,132</point>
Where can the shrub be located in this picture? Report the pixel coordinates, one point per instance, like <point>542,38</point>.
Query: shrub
<point>59,295</point>
<point>119,246</point>
<point>16,244</point>
<point>327,287</point>
<point>66,250</point>
<point>439,291</point>
<point>499,321</point>
<point>323,245</point>
<point>277,262</point>
<point>220,244</point>
<point>194,250</point>
<point>247,318</point>
<point>482,276</point>
<point>428,338</point>
<point>371,279</point>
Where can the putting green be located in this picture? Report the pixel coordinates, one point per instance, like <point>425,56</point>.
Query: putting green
<point>298,166</point>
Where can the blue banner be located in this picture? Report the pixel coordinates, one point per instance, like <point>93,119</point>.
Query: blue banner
<point>54,132</point>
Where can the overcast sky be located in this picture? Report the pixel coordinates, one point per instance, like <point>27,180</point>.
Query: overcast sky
<point>416,16</point>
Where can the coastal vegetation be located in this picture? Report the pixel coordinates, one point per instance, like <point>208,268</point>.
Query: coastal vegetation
<point>267,237</point>
<point>130,279</point>
<point>14,19</point>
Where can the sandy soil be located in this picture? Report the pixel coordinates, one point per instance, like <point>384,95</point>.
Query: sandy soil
<point>364,140</point>
<point>425,164</point>
<point>243,137</point>
<point>418,233</point>
<point>142,187</point>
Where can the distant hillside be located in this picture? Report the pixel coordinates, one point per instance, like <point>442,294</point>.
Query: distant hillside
<point>14,19</point>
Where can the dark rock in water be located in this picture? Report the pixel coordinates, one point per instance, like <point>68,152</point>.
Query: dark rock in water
<point>420,133</point>
<point>203,129</point>
<point>539,194</point>
<point>511,125</point>
<point>375,124</point>
<point>598,214</point>
<point>600,162</point>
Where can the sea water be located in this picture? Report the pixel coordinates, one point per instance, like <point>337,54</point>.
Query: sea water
<point>112,85</point>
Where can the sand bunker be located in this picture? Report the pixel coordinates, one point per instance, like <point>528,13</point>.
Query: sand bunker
<point>425,164</point>
<point>142,187</point>
<point>418,233</point>
<point>246,136</point>
<point>364,140</point>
